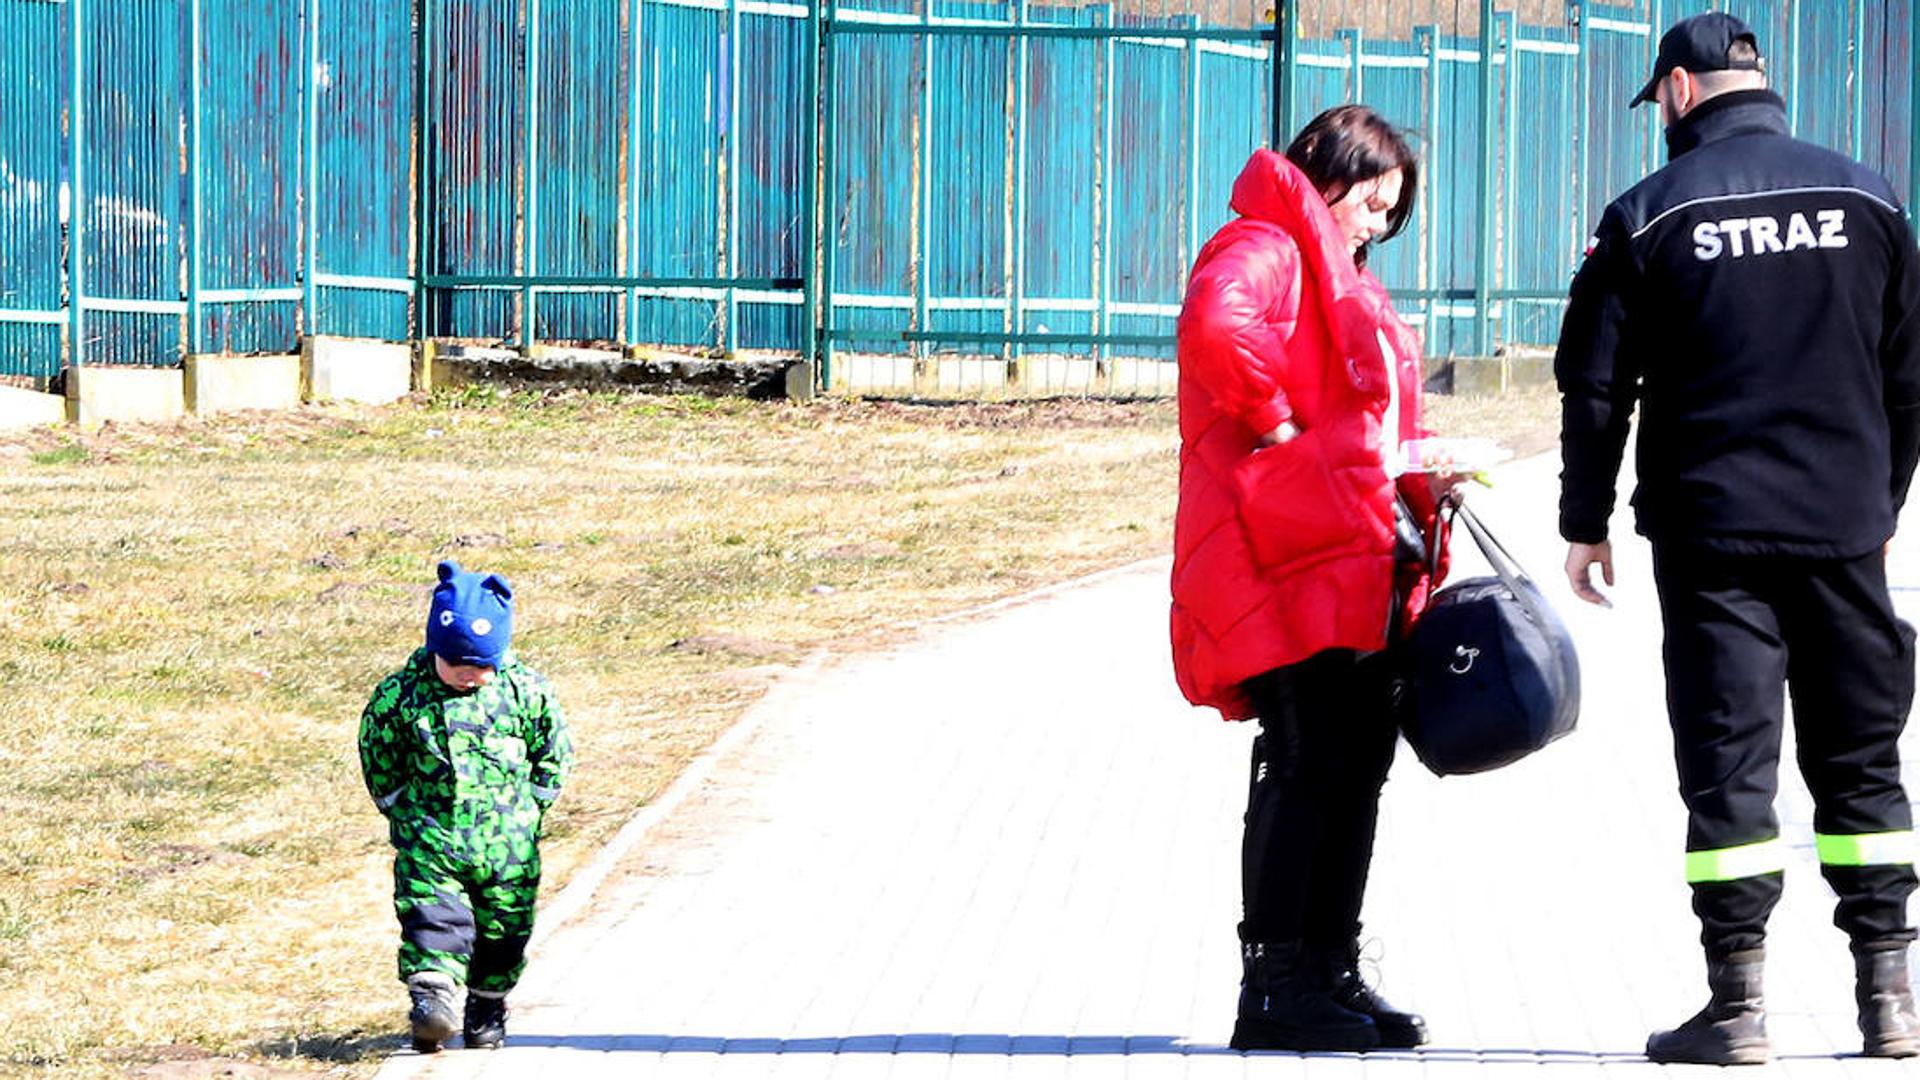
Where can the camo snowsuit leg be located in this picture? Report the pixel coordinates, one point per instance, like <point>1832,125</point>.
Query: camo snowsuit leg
<point>465,780</point>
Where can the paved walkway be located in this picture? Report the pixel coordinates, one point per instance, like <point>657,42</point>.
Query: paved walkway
<point>1009,849</point>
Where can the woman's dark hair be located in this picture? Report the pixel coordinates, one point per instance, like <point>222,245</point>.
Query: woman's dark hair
<point>1348,145</point>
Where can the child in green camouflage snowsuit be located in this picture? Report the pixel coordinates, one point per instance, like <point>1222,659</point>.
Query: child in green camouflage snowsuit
<point>463,750</point>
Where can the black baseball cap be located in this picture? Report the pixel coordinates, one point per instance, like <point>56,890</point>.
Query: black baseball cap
<point>1700,43</point>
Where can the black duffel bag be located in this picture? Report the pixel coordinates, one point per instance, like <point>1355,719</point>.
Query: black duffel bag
<point>1489,671</point>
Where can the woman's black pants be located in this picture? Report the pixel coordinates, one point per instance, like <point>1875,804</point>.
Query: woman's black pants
<point>1326,740</point>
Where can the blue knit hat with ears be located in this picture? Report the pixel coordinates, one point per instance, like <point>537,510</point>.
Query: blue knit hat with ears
<point>471,620</point>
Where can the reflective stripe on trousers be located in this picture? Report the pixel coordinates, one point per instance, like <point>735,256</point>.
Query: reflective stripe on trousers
<point>1866,849</point>
<point>1734,863</point>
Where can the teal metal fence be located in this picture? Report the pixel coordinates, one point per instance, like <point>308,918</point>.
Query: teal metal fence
<point>894,177</point>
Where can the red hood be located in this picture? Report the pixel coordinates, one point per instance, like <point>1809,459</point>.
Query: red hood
<point>1273,189</point>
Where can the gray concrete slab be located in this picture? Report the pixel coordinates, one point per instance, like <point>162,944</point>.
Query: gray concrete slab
<point>1007,849</point>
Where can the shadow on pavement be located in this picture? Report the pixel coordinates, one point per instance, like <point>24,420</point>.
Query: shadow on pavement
<point>948,1043</point>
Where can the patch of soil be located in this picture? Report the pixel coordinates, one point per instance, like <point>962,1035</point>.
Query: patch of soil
<point>731,644</point>
<point>183,1062</point>
<point>165,859</point>
<point>1047,413</point>
<point>880,549</point>
<point>114,440</point>
<point>1534,441</point>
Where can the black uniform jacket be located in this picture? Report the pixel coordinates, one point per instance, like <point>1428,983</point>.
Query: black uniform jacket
<point>1758,296</point>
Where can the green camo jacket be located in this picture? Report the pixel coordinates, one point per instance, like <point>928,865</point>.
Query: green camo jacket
<point>469,772</point>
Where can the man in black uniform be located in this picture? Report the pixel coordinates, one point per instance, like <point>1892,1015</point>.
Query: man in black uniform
<point>1760,298</point>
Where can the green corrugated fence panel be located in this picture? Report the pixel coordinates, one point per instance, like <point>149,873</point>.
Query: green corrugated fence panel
<point>772,133</point>
<point>582,102</point>
<point>1149,186</point>
<point>1320,83</point>
<point>626,164</point>
<point>1396,88</point>
<point>1062,147</point>
<point>870,211</point>
<point>1453,165</point>
<point>366,81</point>
<point>1889,82</point>
<point>133,202</point>
<point>34,74</point>
<point>967,189</point>
<point>1234,118</point>
<point>677,167</point>
<point>1541,239</point>
<point>474,150</point>
<point>250,116</point>
<point>1620,153</point>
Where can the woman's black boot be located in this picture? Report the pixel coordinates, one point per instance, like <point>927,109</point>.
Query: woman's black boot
<point>1340,965</point>
<point>1285,1005</point>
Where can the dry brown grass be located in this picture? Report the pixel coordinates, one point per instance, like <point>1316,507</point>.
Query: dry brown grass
<point>191,617</point>
<point>1526,420</point>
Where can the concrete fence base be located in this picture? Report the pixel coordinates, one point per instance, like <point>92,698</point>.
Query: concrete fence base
<point>20,409</point>
<point>97,395</point>
<point>379,372</point>
<point>995,379</point>
<point>217,384</point>
<point>352,369</point>
<point>1489,374</point>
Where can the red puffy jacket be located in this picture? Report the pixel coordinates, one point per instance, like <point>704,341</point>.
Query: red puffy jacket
<point>1282,551</point>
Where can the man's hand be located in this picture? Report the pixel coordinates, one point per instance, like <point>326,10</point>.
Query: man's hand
<point>1580,560</point>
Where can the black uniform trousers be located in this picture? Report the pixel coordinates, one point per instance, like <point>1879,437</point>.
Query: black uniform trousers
<point>1326,741</point>
<point>1737,629</point>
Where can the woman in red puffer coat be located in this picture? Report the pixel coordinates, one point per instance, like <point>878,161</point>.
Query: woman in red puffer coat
<point>1297,385</point>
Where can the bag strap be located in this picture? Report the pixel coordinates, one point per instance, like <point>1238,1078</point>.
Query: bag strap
<point>1502,560</point>
<point>1443,512</point>
<point>1505,566</point>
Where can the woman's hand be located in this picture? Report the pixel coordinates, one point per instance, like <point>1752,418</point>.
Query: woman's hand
<point>1286,432</point>
<point>1445,484</point>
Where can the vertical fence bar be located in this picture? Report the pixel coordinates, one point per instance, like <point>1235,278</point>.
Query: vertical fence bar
<point>1192,234</point>
<point>829,116</point>
<point>1583,124</point>
<point>422,131</point>
<point>530,172</point>
<point>1429,39</point>
<point>1103,320</point>
<point>310,176</point>
<point>632,171</point>
<point>731,326</point>
<point>923,213</point>
<point>1017,312</point>
<point>1355,40</point>
<point>809,184</point>
<point>1793,66</point>
<point>1286,60</point>
<point>1508,24</point>
<point>1857,80</point>
<point>76,186</point>
<point>196,177</point>
<point>1483,228</point>
<point>1913,113</point>
<point>1656,132</point>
